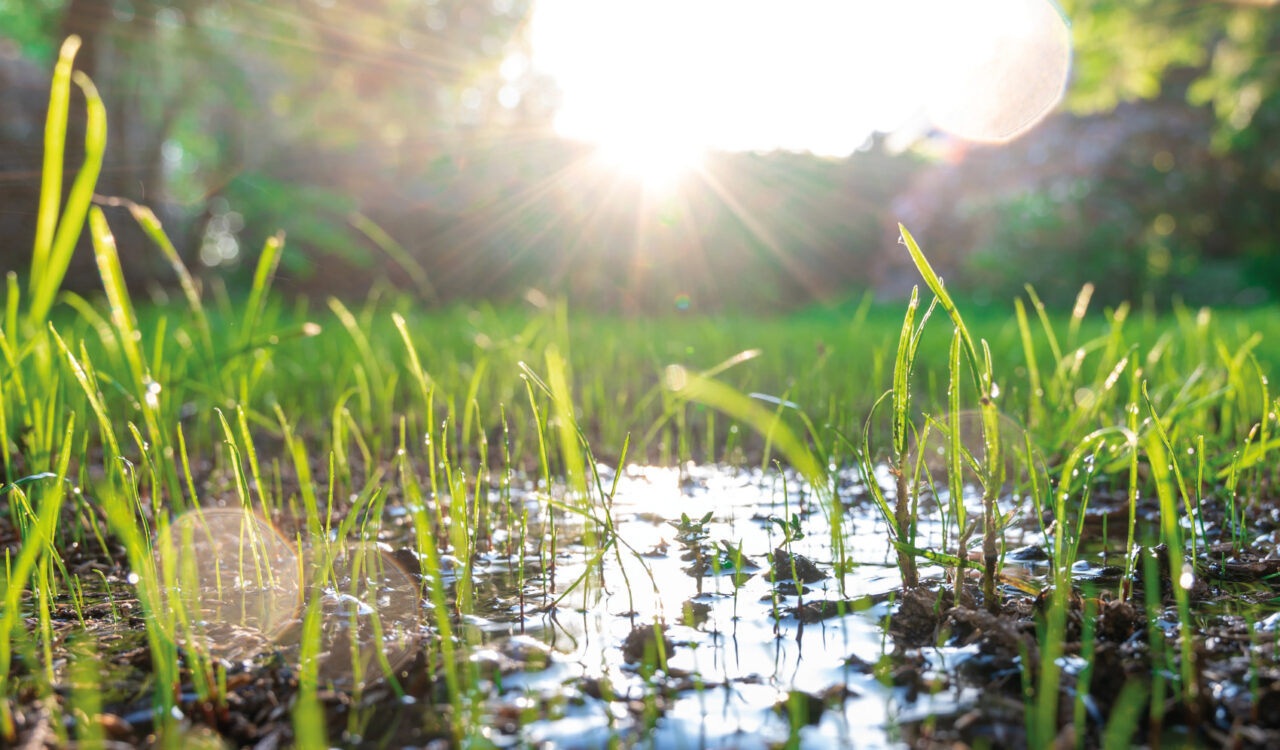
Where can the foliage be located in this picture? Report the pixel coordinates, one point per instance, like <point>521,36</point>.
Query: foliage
<point>1134,50</point>
<point>235,120</point>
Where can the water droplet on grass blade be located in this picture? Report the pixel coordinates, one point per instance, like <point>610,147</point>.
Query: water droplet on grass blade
<point>677,377</point>
<point>152,396</point>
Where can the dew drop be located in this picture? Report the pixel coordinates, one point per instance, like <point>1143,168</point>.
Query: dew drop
<point>1188,577</point>
<point>152,396</point>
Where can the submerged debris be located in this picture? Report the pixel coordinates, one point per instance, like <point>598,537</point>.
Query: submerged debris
<point>1191,577</point>
<point>1029,553</point>
<point>822,609</point>
<point>641,644</point>
<point>788,567</point>
<point>801,708</point>
<point>919,613</point>
<point>519,653</point>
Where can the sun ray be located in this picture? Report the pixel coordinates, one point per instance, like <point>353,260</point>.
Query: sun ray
<point>802,275</point>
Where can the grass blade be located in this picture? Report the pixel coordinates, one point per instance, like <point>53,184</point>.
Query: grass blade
<point>45,283</point>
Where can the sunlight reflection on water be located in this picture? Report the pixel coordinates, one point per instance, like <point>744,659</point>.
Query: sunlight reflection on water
<point>740,641</point>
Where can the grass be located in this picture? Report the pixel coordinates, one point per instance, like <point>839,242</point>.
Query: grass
<point>118,416</point>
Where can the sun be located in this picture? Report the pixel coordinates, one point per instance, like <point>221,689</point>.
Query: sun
<point>658,163</point>
<point>656,82</point>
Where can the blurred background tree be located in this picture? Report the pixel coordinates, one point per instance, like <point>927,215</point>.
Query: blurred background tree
<point>230,117</point>
<point>360,126</point>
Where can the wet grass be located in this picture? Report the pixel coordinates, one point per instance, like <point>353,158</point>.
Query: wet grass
<point>235,518</point>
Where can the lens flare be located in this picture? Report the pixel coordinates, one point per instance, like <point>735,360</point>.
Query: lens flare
<point>229,580</point>
<point>370,624</point>
<point>1016,472</point>
<point>998,66</point>
<point>233,588</point>
<point>657,83</point>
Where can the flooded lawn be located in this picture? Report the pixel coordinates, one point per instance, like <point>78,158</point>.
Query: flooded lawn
<point>707,609</point>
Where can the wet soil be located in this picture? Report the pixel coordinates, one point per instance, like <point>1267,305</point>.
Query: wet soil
<point>719,631</point>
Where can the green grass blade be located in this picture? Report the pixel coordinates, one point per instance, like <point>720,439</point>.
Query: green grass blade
<point>55,136</point>
<point>1035,408</point>
<point>122,314</point>
<point>262,276</point>
<point>369,228</point>
<point>694,387</point>
<point>934,283</point>
<point>45,284</point>
<point>151,227</point>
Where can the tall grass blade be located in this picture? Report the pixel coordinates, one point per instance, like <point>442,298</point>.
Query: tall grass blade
<point>262,276</point>
<point>150,225</point>
<point>369,228</point>
<point>932,280</point>
<point>44,285</point>
<point>55,137</point>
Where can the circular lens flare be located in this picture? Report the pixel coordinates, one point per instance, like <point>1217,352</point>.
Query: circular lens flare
<point>998,66</point>
<point>232,587</point>
<point>230,582</point>
<point>370,623</point>
<point>1001,460</point>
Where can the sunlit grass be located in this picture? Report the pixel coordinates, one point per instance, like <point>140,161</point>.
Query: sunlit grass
<point>491,431</point>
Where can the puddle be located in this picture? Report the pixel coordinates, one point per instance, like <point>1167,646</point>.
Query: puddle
<point>749,657</point>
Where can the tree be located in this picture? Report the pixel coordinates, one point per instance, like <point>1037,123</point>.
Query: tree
<point>208,97</point>
<point>1133,49</point>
